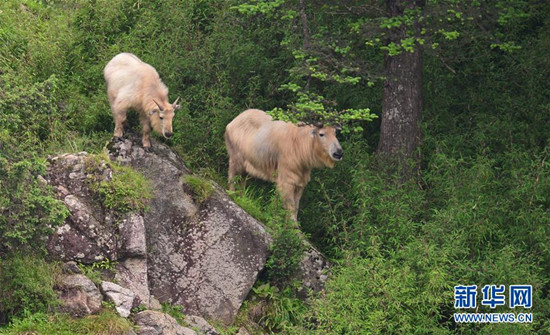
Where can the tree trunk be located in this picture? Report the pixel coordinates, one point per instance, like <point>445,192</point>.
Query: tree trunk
<point>400,132</point>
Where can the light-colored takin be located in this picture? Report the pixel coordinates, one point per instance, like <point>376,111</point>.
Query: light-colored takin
<point>133,84</point>
<point>279,152</point>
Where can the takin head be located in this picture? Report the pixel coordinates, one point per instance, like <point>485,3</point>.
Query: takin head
<point>161,117</point>
<point>327,147</point>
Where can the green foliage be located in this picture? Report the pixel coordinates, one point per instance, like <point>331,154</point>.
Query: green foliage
<point>281,311</point>
<point>105,323</point>
<point>27,283</point>
<point>286,252</point>
<point>382,295</point>
<point>202,188</point>
<point>288,246</point>
<point>252,203</point>
<point>174,311</point>
<point>127,190</point>
<point>275,292</point>
<point>30,114</point>
<point>30,120</point>
<point>35,38</point>
<point>95,270</point>
<point>27,207</point>
<point>317,66</point>
<point>310,108</point>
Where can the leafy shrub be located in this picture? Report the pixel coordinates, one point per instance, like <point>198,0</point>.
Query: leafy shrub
<point>96,270</point>
<point>29,212</point>
<point>105,323</point>
<point>35,37</point>
<point>282,309</point>
<point>127,190</point>
<point>27,284</point>
<point>383,295</point>
<point>201,188</point>
<point>288,246</point>
<point>31,117</point>
<point>174,311</point>
<point>285,254</point>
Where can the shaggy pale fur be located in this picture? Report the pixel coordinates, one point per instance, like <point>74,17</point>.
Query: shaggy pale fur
<point>279,152</point>
<point>133,84</point>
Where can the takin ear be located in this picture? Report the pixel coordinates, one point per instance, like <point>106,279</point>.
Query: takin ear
<point>153,111</point>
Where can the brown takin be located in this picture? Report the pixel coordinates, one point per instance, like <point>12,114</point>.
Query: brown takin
<point>133,84</point>
<point>279,152</point>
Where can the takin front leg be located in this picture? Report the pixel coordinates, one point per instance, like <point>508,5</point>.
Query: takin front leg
<point>288,194</point>
<point>119,114</point>
<point>146,141</point>
<point>298,191</point>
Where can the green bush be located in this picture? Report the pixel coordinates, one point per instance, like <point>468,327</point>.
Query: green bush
<point>285,254</point>
<point>31,118</point>
<point>202,189</point>
<point>400,248</point>
<point>288,245</point>
<point>29,212</point>
<point>281,309</point>
<point>27,284</point>
<point>174,311</point>
<point>105,323</point>
<point>385,295</point>
<point>127,190</point>
<point>35,38</point>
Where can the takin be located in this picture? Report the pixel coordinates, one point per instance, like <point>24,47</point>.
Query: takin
<point>279,152</point>
<point>133,84</point>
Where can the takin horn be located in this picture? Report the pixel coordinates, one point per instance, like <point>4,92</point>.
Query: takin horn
<point>160,108</point>
<point>175,104</point>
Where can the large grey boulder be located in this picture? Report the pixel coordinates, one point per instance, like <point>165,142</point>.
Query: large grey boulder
<point>203,256</point>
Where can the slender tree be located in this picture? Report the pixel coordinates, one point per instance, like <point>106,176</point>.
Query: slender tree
<point>400,131</point>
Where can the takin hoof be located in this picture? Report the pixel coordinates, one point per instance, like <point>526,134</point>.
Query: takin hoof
<point>110,144</point>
